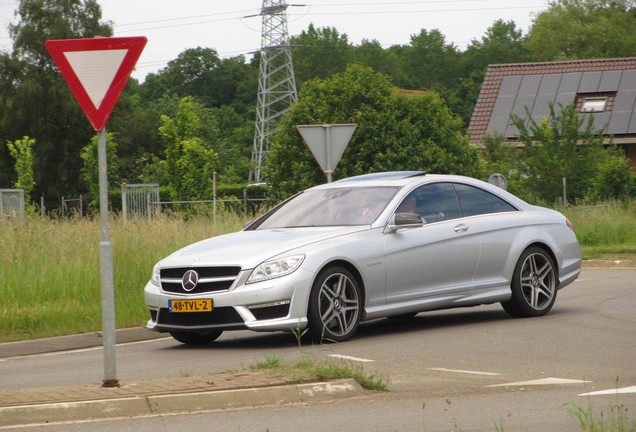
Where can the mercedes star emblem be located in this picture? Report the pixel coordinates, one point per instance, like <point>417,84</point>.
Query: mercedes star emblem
<point>190,280</point>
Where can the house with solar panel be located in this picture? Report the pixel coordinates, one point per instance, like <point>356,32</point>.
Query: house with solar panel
<point>602,88</point>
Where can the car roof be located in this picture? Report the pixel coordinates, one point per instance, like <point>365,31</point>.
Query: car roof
<point>403,178</point>
<point>383,176</point>
<point>392,178</point>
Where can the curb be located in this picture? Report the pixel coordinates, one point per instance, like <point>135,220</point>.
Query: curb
<point>609,264</point>
<point>175,403</point>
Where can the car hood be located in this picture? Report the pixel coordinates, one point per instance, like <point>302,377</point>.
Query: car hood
<point>249,248</point>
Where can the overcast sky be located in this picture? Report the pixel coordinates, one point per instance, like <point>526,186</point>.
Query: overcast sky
<point>173,26</point>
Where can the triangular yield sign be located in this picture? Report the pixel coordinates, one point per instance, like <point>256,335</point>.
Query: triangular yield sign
<point>96,70</point>
<point>327,142</point>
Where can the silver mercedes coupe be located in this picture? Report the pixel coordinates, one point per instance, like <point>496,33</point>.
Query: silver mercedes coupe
<point>378,245</point>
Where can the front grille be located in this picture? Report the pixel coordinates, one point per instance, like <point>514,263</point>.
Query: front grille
<point>222,316</point>
<point>211,279</point>
<point>270,312</point>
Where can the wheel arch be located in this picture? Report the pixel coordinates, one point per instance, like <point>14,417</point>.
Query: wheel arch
<point>354,271</point>
<point>549,251</point>
<point>527,238</point>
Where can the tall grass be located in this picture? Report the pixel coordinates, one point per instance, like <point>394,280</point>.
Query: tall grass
<point>607,229</point>
<point>50,274</point>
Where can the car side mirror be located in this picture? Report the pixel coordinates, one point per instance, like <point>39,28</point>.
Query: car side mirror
<point>404,220</point>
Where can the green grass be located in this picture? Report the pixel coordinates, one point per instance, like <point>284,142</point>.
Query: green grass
<point>49,270</point>
<point>607,230</point>
<point>309,367</point>
<point>614,419</point>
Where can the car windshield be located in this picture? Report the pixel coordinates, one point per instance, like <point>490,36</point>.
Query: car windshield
<point>331,207</point>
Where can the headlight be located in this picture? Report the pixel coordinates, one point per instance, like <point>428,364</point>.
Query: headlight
<point>155,275</point>
<point>275,268</point>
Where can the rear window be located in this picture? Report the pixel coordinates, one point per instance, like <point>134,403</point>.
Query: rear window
<point>475,201</point>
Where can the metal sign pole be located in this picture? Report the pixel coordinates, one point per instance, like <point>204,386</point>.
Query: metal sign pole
<point>106,270</point>
<point>329,168</point>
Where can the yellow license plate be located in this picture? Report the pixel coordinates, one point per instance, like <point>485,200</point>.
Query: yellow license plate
<point>197,305</point>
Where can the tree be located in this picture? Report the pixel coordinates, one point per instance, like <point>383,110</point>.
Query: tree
<point>200,72</point>
<point>500,156</point>
<point>370,53</point>
<point>562,145</point>
<point>614,179</point>
<point>22,152</point>
<point>396,131</point>
<point>90,170</point>
<point>428,61</point>
<point>319,53</point>
<point>35,101</point>
<point>582,29</point>
<point>190,162</point>
<point>502,43</point>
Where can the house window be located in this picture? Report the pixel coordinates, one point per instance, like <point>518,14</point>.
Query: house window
<point>594,102</point>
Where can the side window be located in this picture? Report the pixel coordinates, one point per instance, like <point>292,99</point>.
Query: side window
<point>475,201</point>
<point>433,202</point>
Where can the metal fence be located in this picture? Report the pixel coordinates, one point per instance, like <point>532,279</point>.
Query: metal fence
<point>12,203</point>
<point>245,206</point>
<point>72,206</point>
<point>137,200</point>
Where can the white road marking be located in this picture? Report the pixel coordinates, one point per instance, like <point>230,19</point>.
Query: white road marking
<point>624,390</point>
<point>344,357</point>
<point>543,381</point>
<point>464,371</point>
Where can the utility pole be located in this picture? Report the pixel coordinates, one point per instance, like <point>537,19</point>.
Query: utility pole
<point>276,82</point>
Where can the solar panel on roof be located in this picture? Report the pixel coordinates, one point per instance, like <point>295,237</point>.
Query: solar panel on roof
<point>550,84</point>
<point>509,85</point>
<point>619,122</point>
<point>632,124</point>
<point>541,106</point>
<point>529,85</point>
<point>625,101</point>
<point>521,102</point>
<point>609,81</point>
<point>570,82</point>
<point>628,80</point>
<point>589,82</point>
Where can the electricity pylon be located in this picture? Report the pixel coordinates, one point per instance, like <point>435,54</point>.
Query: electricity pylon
<point>276,82</point>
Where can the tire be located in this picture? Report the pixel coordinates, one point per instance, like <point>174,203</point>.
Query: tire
<point>335,305</point>
<point>189,338</point>
<point>534,285</point>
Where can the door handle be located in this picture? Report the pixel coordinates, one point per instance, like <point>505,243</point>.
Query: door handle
<point>461,228</point>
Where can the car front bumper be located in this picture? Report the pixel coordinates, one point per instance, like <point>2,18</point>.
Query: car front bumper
<point>275,305</point>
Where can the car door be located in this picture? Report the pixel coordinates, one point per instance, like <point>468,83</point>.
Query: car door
<point>437,258</point>
<point>498,223</point>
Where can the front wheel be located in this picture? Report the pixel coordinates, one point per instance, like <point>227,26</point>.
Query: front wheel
<point>534,285</point>
<point>335,305</point>
<point>189,338</point>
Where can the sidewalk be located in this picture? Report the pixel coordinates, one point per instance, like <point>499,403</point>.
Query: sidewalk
<point>229,390</point>
<point>164,396</point>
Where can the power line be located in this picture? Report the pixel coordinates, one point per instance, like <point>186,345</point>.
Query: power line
<point>240,13</point>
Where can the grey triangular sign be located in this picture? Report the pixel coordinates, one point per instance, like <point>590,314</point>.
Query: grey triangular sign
<point>327,142</point>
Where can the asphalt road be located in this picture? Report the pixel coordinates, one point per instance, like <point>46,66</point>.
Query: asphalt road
<point>469,369</point>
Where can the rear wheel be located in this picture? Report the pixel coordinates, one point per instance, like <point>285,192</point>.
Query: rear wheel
<point>195,338</point>
<point>335,305</point>
<point>534,285</point>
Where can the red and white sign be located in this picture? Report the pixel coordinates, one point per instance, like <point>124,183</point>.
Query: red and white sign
<point>96,70</point>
